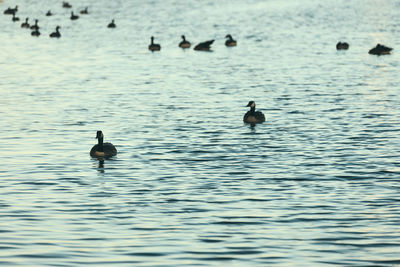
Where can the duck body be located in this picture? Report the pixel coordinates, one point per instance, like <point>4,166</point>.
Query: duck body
<point>154,47</point>
<point>49,13</point>
<point>102,150</point>
<point>204,46</point>
<point>380,50</point>
<point>111,24</point>
<point>184,44</point>
<point>25,24</point>
<point>252,116</point>
<point>230,41</point>
<point>342,46</point>
<point>56,34</point>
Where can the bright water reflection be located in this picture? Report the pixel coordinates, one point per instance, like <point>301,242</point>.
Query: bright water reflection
<point>317,184</point>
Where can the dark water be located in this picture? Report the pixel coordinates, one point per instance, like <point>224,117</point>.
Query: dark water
<point>316,184</point>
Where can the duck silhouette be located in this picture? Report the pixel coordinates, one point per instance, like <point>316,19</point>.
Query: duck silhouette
<point>154,47</point>
<point>184,43</point>
<point>380,50</point>
<point>73,16</point>
<point>252,116</point>
<point>342,46</point>
<point>25,24</point>
<point>56,34</point>
<point>102,150</point>
<point>230,41</point>
<point>111,24</point>
<point>204,46</point>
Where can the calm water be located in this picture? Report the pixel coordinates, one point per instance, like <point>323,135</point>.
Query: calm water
<point>316,184</point>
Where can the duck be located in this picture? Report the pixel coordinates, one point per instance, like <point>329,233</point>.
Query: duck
<point>111,24</point>
<point>252,116</point>
<point>184,43</point>
<point>10,11</point>
<point>35,26</point>
<point>230,41</point>
<point>102,150</point>
<point>25,24</point>
<point>35,33</point>
<point>380,50</point>
<point>84,11</point>
<point>66,5</point>
<point>154,47</point>
<point>14,18</point>
<point>342,46</point>
<point>49,13</point>
<point>204,46</point>
<point>56,34</point>
<point>73,16</point>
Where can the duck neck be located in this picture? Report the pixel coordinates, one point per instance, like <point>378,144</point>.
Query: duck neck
<point>253,109</point>
<point>100,144</point>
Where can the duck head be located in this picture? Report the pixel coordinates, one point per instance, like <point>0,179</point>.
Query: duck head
<point>251,104</point>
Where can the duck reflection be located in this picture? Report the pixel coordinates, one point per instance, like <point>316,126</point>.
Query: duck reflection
<point>100,167</point>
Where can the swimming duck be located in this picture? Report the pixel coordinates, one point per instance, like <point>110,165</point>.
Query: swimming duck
<point>111,24</point>
<point>184,43</point>
<point>73,16</point>
<point>230,41</point>
<point>253,116</point>
<point>49,13</point>
<point>56,34</point>
<point>154,47</point>
<point>10,11</point>
<point>85,11</point>
<point>102,150</point>
<point>342,46</point>
<point>14,18</point>
<point>66,5</point>
<point>204,46</point>
<point>25,24</point>
<point>35,26</point>
<point>380,50</point>
<point>35,33</point>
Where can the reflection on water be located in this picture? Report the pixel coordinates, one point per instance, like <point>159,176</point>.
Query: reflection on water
<point>315,184</point>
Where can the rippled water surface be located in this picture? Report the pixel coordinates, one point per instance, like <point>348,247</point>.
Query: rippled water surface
<point>316,184</point>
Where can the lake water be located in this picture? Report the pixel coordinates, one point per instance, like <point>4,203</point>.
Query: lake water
<point>317,184</point>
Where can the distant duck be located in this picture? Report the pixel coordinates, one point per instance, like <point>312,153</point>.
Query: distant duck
<point>102,150</point>
<point>56,34</point>
<point>204,46</point>
<point>111,24</point>
<point>184,43</point>
<point>253,116</point>
<point>73,16</point>
<point>66,5</point>
<point>35,33</point>
<point>380,50</point>
<point>230,41</point>
<point>85,11</point>
<point>342,46</point>
<point>25,24</point>
<point>14,18</point>
<point>154,47</point>
<point>10,11</point>
<point>35,26</point>
<point>49,13</point>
